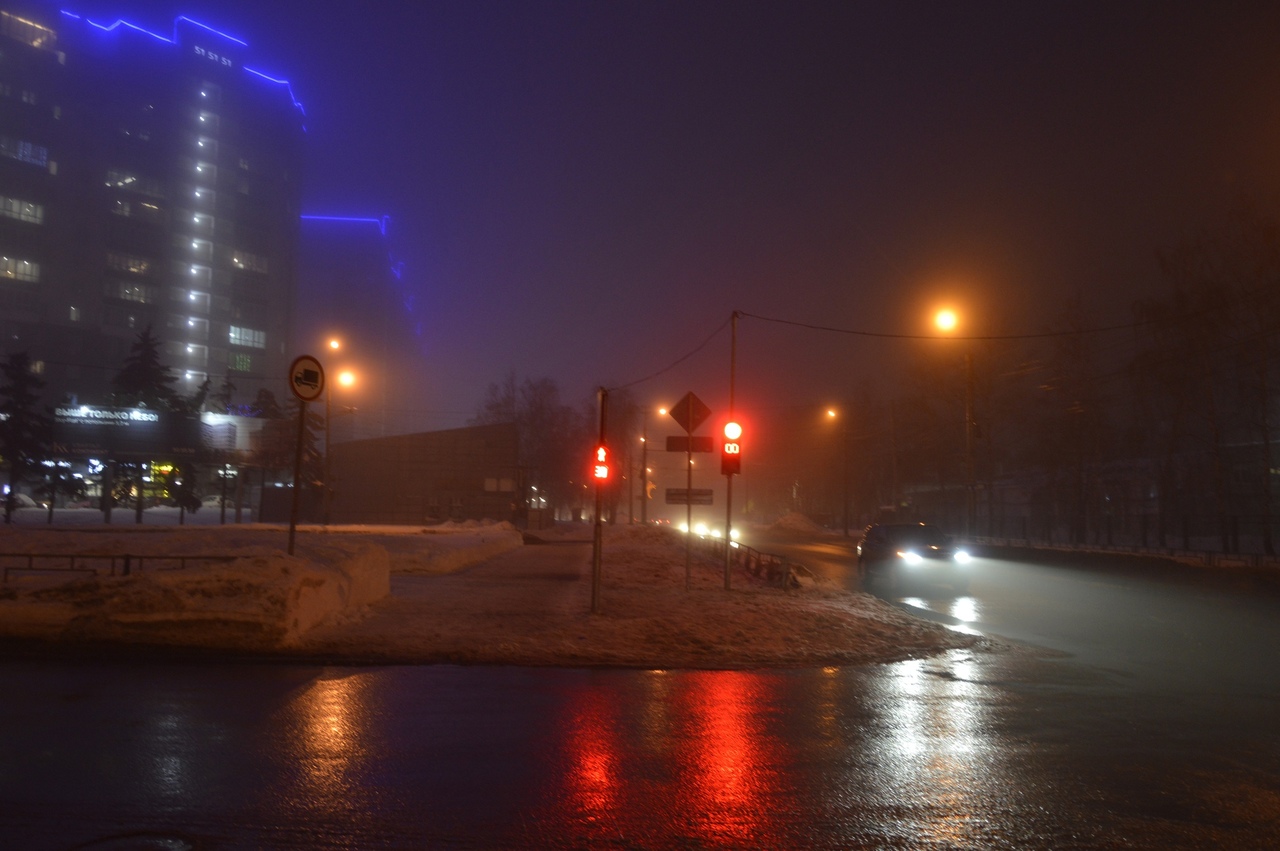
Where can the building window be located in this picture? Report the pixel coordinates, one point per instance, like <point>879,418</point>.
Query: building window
<point>17,269</point>
<point>130,291</point>
<point>120,179</point>
<point>143,211</point>
<point>247,337</point>
<point>27,152</point>
<point>26,211</point>
<point>37,367</point>
<point>27,32</point>
<point>241,363</point>
<point>74,314</point>
<point>122,262</point>
<point>249,262</point>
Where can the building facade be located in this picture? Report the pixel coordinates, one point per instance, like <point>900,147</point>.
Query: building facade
<point>147,179</point>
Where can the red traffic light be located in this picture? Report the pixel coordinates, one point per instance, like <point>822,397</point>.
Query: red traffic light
<point>731,449</point>
<point>601,469</point>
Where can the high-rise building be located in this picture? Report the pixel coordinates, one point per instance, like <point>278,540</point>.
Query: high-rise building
<point>147,178</point>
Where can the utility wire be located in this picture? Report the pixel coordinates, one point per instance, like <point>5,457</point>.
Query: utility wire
<point>884,335</point>
<point>677,362</point>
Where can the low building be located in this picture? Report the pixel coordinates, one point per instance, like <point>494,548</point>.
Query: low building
<point>458,474</point>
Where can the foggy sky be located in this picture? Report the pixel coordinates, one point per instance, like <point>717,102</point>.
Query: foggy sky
<point>586,190</point>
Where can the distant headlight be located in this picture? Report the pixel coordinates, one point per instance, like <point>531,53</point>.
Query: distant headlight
<point>910,557</point>
<point>962,557</point>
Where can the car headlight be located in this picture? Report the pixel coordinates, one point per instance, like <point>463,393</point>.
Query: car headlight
<point>909,557</point>
<point>962,557</point>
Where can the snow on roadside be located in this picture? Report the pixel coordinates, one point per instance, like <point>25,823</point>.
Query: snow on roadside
<point>469,594</point>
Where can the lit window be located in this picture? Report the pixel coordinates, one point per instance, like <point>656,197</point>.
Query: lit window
<point>128,263</point>
<point>27,32</point>
<point>22,151</point>
<point>17,269</point>
<point>250,262</point>
<point>25,211</point>
<point>247,337</point>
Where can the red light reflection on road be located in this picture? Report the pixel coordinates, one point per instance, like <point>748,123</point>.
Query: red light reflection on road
<point>594,758</point>
<point>699,742</point>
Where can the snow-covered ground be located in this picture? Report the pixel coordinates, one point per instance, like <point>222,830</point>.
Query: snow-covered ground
<point>471,593</point>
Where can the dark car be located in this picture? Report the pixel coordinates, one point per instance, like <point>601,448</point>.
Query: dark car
<point>901,554</point>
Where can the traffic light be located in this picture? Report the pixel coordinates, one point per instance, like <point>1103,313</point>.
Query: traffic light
<point>600,471</point>
<point>731,449</point>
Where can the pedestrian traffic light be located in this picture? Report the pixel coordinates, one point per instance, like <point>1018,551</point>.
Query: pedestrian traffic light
<point>731,449</point>
<point>601,469</point>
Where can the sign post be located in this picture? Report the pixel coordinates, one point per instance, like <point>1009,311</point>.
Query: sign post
<point>306,380</point>
<point>689,412</point>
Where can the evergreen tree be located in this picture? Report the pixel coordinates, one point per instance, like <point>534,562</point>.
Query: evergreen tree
<point>145,381</point>
<point>25,430</point>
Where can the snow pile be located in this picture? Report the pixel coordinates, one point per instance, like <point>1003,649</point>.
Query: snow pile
<point>252,596</point>
<point>440,594</point>
<point>794,522</point>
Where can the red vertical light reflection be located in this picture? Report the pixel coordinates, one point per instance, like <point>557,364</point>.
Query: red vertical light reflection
<point>733,761</point>
<point>593,754</point>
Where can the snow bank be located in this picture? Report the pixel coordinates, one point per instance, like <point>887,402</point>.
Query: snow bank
<point>255,599</point>
<point>793,522</point>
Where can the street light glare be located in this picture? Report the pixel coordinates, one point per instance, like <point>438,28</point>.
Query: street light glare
<point>335,344</point>
<point>346,378</point>
<point>946,320</point>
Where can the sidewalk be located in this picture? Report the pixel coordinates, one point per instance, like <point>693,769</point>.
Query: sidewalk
<point>532,606</point>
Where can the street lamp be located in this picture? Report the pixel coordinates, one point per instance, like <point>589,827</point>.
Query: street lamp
<point>644,467</point>
<point>346,378</point>
<point>833,414</point>
<point>946,320</point>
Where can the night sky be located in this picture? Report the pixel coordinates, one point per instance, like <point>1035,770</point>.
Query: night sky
<point>586,190</point>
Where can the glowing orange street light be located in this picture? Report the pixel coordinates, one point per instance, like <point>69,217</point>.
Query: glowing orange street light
<point>946,320</point>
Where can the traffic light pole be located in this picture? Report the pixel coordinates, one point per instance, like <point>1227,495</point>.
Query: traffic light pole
<point>728,481</point>
<point>602,396</point>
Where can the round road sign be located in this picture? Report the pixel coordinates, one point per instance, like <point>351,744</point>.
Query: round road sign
<point>306,378</point>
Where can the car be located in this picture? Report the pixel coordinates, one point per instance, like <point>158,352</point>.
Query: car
<point>912,554</point>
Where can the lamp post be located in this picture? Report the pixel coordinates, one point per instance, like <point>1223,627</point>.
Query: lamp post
<point>346,378</point>
<point>644,467</point>
<point>947,321</point>
<point>832,413</point>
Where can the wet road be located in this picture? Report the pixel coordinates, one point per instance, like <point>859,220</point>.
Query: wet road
<point>1131,725</point>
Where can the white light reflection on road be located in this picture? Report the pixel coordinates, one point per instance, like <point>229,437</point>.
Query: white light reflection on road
<point>936,752</point>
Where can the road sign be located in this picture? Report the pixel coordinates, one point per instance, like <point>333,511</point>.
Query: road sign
<point>690,443</point>
<point>690,412</point>
<point>306,378</point>
<point>690,496</point>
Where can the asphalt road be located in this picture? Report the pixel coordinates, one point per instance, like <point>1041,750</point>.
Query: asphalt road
<point>1124,708</point>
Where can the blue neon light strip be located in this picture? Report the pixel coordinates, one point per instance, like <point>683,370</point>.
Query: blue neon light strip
<point>120,22</point>
<point>380,222</point>
<point>196,23</point>
<point>407,300</point>
<point>288,88</point>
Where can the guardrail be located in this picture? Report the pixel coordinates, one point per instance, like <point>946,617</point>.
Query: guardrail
<point>95,563</point>
<point>771,567</point>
